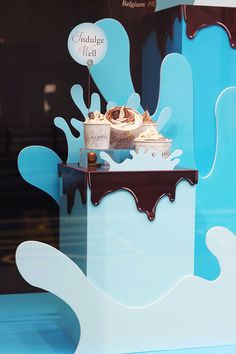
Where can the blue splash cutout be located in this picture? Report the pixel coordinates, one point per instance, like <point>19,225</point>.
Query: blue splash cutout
<point>216,194</point>
<point>133,101</point>
<point>38,166</point>
<point>176,91</point>
<point>74,144</point>
<point>77,94</point>
<point>143,161</point>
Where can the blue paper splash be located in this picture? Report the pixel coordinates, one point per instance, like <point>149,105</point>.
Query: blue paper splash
<point>144,161</point>
<point>189,315</point>
<point>77,95</point>
<point>38,166</point>
<point>216,194</point>
<point>176,92</point>
<point>74,144</point>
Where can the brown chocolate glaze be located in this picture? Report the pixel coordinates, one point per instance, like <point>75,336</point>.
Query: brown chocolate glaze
<point>73,179</point>
<point>147,187</point>
<point>162,22</point>
<point>198,17</point>
<point>165,26</point>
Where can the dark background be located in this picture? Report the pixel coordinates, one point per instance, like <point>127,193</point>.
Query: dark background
<point>33,54</point>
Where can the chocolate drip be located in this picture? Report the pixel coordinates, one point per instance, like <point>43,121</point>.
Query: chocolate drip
<point>163,25</point>
<point>198,17</point>
<point>147,188</point>
<point>73,179</point>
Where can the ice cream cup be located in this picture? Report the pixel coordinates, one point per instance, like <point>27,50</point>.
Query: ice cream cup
<point>97,135</point>
<point>162,146</point>
<point>123,139</point>
<point>123,135</point>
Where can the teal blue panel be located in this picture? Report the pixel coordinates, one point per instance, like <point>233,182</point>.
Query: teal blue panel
<point>216,193</point>
<point>151,62</point>
<point>212,60</point>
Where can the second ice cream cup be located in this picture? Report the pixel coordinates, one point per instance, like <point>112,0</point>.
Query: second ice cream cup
<point>162,145</point>
<point>121,139</point>
<point>145,126</point>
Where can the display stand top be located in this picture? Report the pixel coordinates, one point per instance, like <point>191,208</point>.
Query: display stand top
<point>147,187</point>
<point>98,169</point>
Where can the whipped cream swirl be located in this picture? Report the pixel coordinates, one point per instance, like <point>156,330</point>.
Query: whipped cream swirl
<point>96,118</point>
<point>151,134</point>
<point>123,118</point>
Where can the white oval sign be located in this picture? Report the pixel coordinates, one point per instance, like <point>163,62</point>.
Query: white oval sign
<point>87,44</point>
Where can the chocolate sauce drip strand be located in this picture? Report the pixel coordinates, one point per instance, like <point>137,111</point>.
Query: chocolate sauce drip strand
<point>198,17</point>
<point>147,188</point>
<point>73,179</point>
<point>162,22</point>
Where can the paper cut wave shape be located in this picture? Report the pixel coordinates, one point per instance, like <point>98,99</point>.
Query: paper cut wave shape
<point>144,161</point>
<point>195,312</point>
<point>38,166</point>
